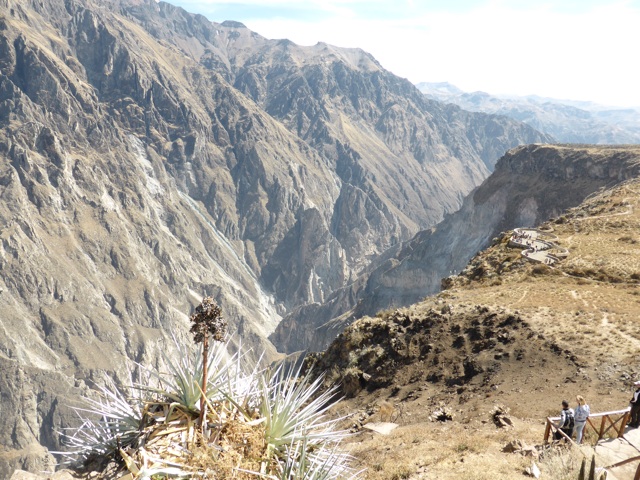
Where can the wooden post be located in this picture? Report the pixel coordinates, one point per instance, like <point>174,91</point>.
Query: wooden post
<point>547,431</point>
<point>602,425</point>
<point>552,427</point>
<point>589,422</point>
<point>566,437</point>
<point>625,420</point>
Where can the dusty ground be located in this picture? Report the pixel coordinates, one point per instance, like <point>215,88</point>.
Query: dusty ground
<point>505,332</point>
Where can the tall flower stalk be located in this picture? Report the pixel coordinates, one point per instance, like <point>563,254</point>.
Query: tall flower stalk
<point>207,321</point>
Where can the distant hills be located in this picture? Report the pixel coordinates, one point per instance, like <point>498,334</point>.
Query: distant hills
<point>566,120</point>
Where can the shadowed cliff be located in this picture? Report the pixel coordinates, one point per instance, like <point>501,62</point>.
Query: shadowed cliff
<point>530,185</point>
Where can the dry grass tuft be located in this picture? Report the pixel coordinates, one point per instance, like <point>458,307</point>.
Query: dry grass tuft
<point>230,452</point>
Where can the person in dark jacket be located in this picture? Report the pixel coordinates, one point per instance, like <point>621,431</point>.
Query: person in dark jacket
<point>566,423</point>
<point>635,407</point>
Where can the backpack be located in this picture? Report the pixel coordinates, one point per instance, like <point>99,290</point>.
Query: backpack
<point>569,421</point>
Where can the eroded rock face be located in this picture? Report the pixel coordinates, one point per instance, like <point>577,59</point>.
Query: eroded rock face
<point>33,400</point>
<point>530,185</point>
<point>149,157</point>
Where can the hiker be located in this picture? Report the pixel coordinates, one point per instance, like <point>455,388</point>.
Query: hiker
<point>581,414</point>
<point>566,423</point>
<point>635,407</point>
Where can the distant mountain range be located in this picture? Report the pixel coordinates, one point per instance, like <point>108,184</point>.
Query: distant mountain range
<point>566,120</point>
<point>149,157</point>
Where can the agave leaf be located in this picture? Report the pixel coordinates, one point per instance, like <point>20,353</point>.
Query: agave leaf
<point>304,462</point>
<point>181,384</point>
<point>129,462</point>
<point>243,389</point>
<point>164,472</point>
<point>111,420</point>
<point>295,411</point>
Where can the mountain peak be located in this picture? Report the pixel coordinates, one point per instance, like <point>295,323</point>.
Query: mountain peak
<point>233,24</point>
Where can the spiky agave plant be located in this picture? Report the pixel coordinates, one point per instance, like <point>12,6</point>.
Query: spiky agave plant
<point>181,383</point>
<point>283,414</point>
<point>112,420</point>
<point>297,431</point>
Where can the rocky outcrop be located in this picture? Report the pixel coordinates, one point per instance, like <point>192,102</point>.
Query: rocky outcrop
<point>530,185</point>
<point>459,346</point>
<point>32,401</point>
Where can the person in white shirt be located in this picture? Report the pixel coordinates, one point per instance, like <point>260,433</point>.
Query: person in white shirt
<point>635,407</point>
<point>581,414</point>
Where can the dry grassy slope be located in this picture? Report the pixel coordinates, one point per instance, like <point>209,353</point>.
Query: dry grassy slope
<point>505,331</point>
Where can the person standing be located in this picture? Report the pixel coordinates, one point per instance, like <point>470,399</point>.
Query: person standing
<point>567,421</point>
<point>581,414</point>
<point>635,407</point>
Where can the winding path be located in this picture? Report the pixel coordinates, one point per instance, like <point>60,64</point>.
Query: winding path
<point>538,245</point>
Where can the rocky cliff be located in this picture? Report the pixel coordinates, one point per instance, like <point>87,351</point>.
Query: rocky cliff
<point>529,185</point>
<point>149,157</point>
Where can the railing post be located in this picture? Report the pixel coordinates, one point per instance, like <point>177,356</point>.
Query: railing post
<point>589,422</point>
<point>603,422</point>
<point>547,431</point>
<point>625,419</point>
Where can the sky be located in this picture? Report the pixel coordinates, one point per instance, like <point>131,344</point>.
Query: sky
<point>564,49</point>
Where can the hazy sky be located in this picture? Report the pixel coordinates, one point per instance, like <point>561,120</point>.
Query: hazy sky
<point>580,50</point>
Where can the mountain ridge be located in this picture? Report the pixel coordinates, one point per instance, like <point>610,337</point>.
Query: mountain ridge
<point>530,184</point>
<point>565,120</point>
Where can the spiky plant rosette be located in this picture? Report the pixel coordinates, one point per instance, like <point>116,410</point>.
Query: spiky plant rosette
<point>178,383</point>
<point>269,423</point>
<point>112,419</point>
<point>294,410</point>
